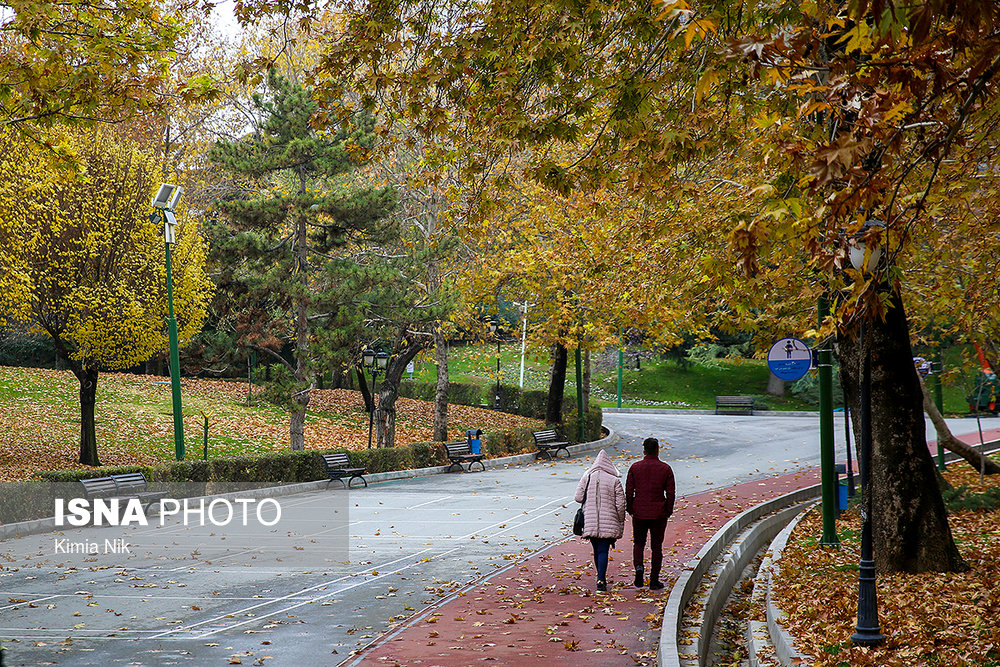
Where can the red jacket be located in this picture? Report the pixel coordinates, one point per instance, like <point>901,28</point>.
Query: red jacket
<point>649,489</point>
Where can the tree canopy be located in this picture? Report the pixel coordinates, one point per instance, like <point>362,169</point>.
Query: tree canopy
<point>81,261</point>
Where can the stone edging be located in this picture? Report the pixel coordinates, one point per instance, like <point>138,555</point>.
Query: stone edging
<point>771,633</point>
<point>682,411</point>
<point>47,525</point>
<point>689,580</point>
<point>685,586</point>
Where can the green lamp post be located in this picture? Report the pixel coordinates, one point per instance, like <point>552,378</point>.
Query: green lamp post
<point>164,202</point>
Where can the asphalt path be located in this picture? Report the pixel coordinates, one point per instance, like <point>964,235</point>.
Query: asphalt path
<point>413,544</point>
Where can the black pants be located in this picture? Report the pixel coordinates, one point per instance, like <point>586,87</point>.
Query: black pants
<point>655,528</point>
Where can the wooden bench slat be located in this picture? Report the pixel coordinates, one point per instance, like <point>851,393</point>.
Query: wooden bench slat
<point>125,485</point>
<point>338,466</point>
<point>461,452</point>
<point>734,403</point>
<point>548,440</point>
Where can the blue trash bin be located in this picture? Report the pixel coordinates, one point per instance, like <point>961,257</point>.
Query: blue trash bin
<point>475,441</point>
<point>842,495</point>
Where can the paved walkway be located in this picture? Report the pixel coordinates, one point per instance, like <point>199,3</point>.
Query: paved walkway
<point>544,610</point>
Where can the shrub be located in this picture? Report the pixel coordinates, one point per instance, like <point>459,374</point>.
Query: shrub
<point>533,402</point>
<point>421,391</point>
<point>806,389</point>
<point>508,443</point>
<point>510,398</point>
<point>465,393</point>
<point>428,454</point>
<point>33,499</point>
<point>591,429</point>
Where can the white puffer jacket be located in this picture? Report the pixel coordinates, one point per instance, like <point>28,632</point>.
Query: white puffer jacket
<point>604,511</point>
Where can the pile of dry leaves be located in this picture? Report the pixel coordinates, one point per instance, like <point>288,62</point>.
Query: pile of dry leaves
<point>928,619</point>
<point>40,420</point>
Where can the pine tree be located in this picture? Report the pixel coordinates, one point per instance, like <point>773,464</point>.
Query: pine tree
<point>284,233</point>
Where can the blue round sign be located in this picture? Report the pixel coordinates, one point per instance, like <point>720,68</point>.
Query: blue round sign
<point>789,359</point>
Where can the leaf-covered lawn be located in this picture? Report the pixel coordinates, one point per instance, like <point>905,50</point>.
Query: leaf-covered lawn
<point>40,420</point>
<point>928,619</point>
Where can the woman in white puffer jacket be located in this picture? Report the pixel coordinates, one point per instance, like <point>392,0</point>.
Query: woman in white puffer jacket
<point>603,511</point>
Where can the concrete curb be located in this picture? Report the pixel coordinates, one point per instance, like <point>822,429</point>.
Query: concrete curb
<point>48,525</point>
<point>771,633</point>
<point>689,580</point>
<point>736,560</point>
<point>681,411</point>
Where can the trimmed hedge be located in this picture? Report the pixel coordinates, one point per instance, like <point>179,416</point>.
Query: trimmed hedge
<point>533,403</point>
<point>459,393</point>
<point>465,393</point>
<point>591,429</point>
<point>509,443</point>
<point>33,499</point>
<point>514,400</point>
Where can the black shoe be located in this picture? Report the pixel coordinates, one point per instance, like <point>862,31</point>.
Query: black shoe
<point>638,580</point>
<point>602,586</point>
<point>655,585</point>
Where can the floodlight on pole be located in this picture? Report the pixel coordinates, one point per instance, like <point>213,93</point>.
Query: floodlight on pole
<point>166,199</point>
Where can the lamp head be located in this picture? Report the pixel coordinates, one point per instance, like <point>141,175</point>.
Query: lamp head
<point>368,356</point>
<point>864,255</point>
<point>382,360</point>
<point>167,197</point>
<point>493,326</point>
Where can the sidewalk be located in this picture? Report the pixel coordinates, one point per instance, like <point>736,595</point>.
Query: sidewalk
<point>545,609</point>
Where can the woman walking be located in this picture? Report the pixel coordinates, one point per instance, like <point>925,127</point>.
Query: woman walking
<point>600,490</point>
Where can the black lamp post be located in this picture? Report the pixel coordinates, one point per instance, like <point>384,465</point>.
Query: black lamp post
<point>374,362</point>
<point>494,329</point>
<point>868,632</point>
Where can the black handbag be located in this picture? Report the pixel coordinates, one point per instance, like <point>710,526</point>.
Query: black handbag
<point>578,519</point>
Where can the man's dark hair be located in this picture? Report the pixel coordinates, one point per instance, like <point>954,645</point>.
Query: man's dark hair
<point>650,446</point>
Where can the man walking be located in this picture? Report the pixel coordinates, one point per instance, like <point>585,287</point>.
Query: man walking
<point>649,498</point>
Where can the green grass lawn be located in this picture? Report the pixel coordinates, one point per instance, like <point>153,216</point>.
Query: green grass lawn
<point>660,383</point>
<point>40,420</point>
<point>655,384</point>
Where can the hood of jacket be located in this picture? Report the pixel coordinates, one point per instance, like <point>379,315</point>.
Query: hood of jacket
<point>603,462</point>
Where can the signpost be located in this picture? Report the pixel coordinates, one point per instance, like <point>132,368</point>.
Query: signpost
<point>789,359</point>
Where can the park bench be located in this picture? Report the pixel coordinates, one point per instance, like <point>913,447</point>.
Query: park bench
<point>734,404</point>
<point>461,452</point>
<point>338,466</point>
<point>546,442</point>
<point>126,485</point>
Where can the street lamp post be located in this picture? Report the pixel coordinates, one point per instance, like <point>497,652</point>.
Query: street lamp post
<point>524,335</point>
<point>868,631</point>
<point>374,362</point>
<point>495,330</point>
<point>827,454</point>
<point>164,202</point>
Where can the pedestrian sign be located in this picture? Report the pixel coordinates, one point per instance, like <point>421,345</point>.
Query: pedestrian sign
<point>789,359</point>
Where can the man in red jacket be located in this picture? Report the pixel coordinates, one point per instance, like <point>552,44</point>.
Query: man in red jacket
<point>649,498</point>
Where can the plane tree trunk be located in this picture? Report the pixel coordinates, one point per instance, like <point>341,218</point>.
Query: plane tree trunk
<point>909,521</point>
